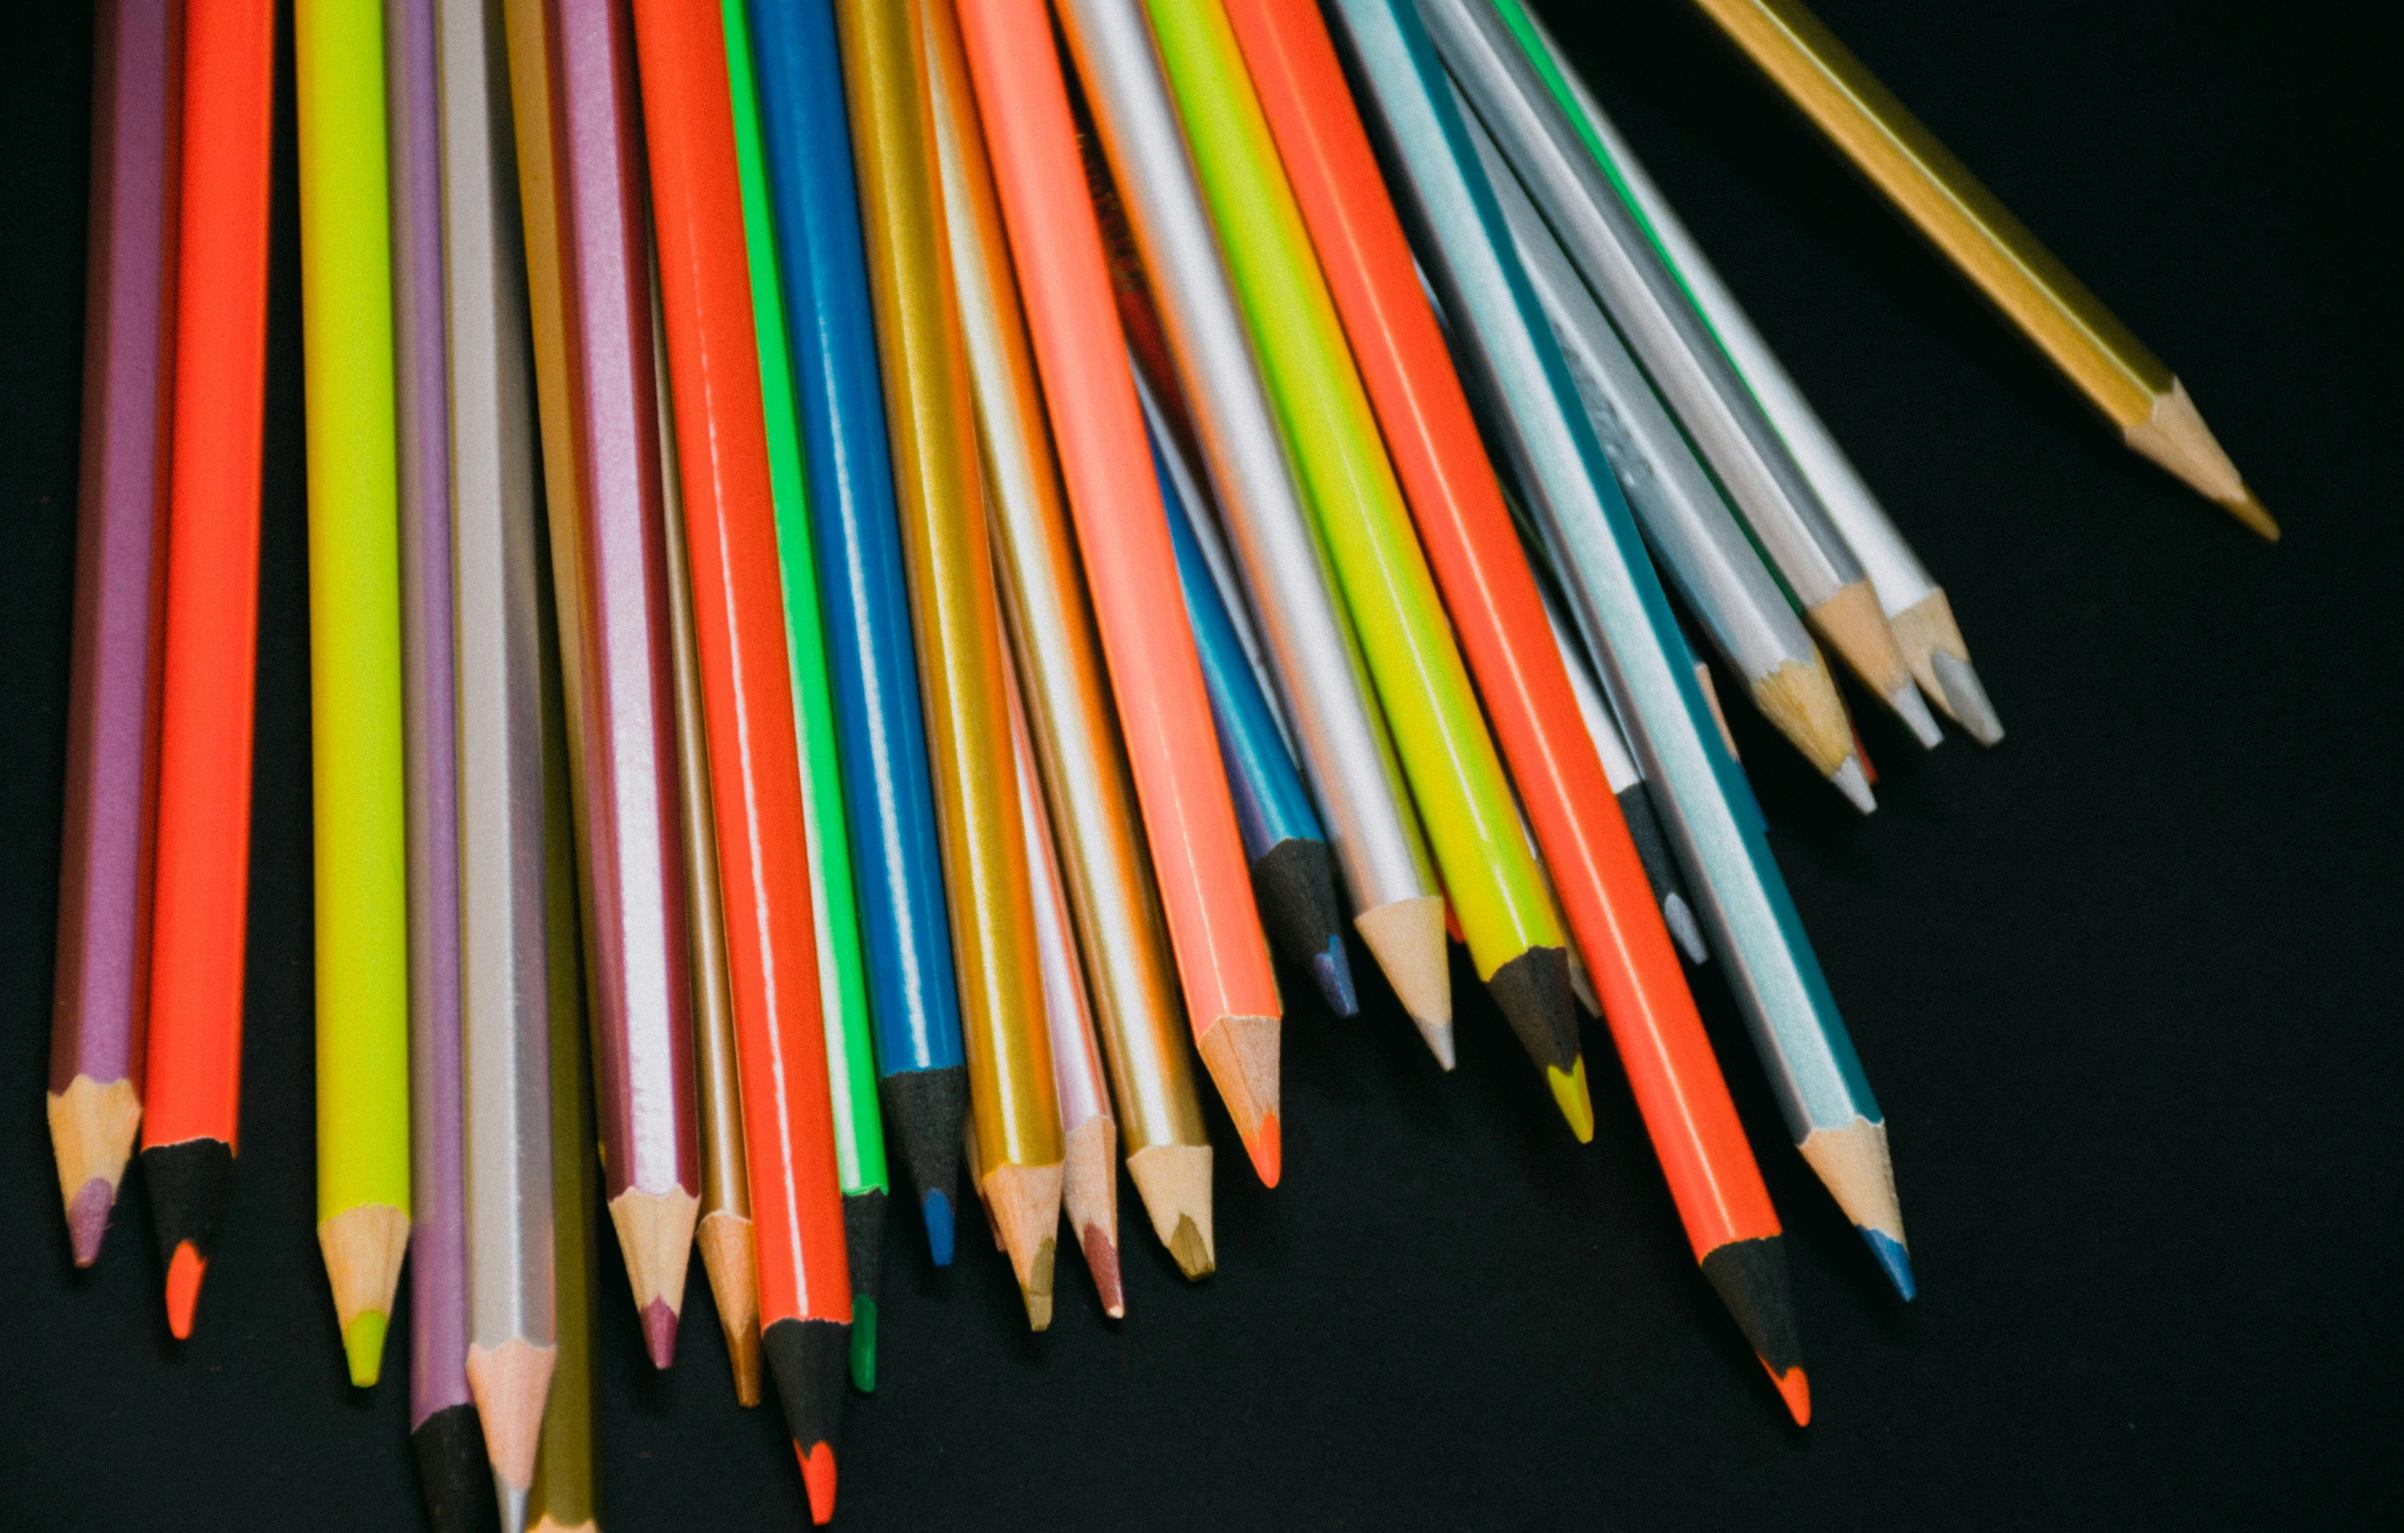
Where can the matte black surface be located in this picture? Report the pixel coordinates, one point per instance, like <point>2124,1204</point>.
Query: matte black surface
<point>188,1181</point>
<point>922,1110</point>
<point>1532,993</point>
<point>1752,1279</point>
<point>864,1240</point>
<point>809,1359</point>
<point>2127,986</point>
<point>1295,886</point>
<point>453,1474</point>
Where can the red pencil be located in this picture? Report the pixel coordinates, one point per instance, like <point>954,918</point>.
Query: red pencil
<point>1492,597</point>
<point>747,701</point>
<point>202,879</point>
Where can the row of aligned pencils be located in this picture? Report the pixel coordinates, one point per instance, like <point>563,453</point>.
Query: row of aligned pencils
<point>889,555</point>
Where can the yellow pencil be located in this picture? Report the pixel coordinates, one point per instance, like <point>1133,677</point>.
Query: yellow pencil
<point>354,670</point>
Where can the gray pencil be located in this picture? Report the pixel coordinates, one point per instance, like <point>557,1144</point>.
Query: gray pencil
<point>504,966</point>
<point>1609,249</point>
<point>1345,755</point>
<point>1702,549</point>
<point>1915,605</point>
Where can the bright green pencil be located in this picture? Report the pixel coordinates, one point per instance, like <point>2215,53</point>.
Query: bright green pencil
<point>842,986</point>
<point>354,670</point>
<point>1448,756</point>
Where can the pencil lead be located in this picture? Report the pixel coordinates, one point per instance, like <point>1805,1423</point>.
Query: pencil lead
<point>1102,1260</point>
<point>2249,510</point>
<point>923,1111</point>
<point>1795,1390</point>
<point>936,1210</point>
<point>863,1344</point>
<point>1438,1038</point>
<point>1267,1148</point>
<point>818,1474</point>
<point>184,1272</point>
<point>1966,698</point>
<point>1174,1181</point>
<point>1575,1101</point>
<point>1895,1260</point>
<point>659,1333</point>
<point>1331,968</point>
<point>1912,709</point>
<point>92,1129</point>
<point>363,1347</point>
<point>1850,782</point>
<point>88,1218</point>
<point>1678,916</point>
<point>1751,1278</point>
<point>807,1357</point>
<point>864,1254</point>
<point>512,1501</point>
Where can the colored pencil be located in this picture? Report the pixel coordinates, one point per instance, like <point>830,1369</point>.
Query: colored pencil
<point>1916,608</point>
<point>201,877</point>
<point>1456,776</point>
<point>1387,873</point>
<point>622,710</point>
<point>956,615</point>
<point>724,1233</point>
<point>563,1497</point>
<point>1603,240</point>
<point>1232,1004</point>
<point>354,671</point>
<point>1628,787</point>
<point>98,1002</point>
<point>834,904</point>
<point>1089,1136</point>
<point>1072,737</point>
<point>2131,387</point>
<point>1701,548</point>
<point>446,1435</point>
<point>1293,876</point>
<point>1501,337</point>
<point>905,931</point>
<point>501,761</point>
<point>720,461</point>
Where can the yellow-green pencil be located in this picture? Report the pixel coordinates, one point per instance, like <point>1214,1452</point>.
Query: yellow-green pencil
<point>354,669</point>
<point>1448,756</point>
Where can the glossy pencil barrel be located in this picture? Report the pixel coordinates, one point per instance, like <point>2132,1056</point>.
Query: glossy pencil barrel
<point>872,660</point>
<point>955,614</point>
<point>834,902</point>
<point>1223,957</point>
<point>438,1278</point>
<point>99,998</point>
<point>1619,605</point>
<point>720,460</point>
<point>502,759</point>
<point>201,880</point>
<point>354,670</point>
<point>1074,740</point>
<point>633,862</point>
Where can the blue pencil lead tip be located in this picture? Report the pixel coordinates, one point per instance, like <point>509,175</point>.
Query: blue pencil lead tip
<point>1896,1261</point>
<point>937,1209</point>
<point>1333,970</point>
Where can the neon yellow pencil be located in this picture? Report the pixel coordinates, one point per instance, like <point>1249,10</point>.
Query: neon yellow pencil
<point>354,670</point>
<point>1448,756</point>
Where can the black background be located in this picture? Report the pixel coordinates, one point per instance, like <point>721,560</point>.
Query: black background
<point>2125,986</point>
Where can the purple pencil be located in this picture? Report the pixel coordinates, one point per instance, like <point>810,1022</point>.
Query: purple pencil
<point>444,1431</point>
<point>99,1003</point>
<point>621,708</point>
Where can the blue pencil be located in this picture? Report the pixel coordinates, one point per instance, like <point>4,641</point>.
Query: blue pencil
<point>1293,876</point>
<point>1533,412</point>
<point>913,996</point>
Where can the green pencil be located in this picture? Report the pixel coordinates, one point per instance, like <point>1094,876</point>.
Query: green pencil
<point>843,988</point>
<point>1464,798</point>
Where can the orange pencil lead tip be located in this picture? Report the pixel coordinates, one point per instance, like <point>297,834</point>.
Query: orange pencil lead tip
<point>1267,1148</point>
<point>1795,1389</point>
<point>818,1473</point>
<point>183,1288</point>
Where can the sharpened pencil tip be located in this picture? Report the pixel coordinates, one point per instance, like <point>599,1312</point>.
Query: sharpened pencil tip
<point>659,1333</point>
<point>184,1272</point>
<point>936,1208</point>
<point>1912,709</point>
<point>1267,1149</point>
<point>1850,782</point>
<point>1102,1260</point>
<point>863,1344</point>
<point>1575,1101</point>
<point>363,1345</point>
<point>1333,970</point>
<point>1966,698</point>
<point>1679,917</point>
<point>2254,514</point>
<point>1794,1389</point>
<point>818,1473</point>
<point>88,1218</point>
<point>1438,1037</point>
<point>1895,1260</point>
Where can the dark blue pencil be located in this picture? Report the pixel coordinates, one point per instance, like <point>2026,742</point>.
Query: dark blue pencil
<point>1293,877</point>
<point>913,998</point>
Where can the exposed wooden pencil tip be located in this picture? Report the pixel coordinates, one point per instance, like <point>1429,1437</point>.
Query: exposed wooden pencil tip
<point>2177,438</point>
<point>1932,646</point>
<point>92,1128</point>
<point>1855,627</point>
<point>1090,1192</point>
<point>1406,938</point>
<point>1854,1163</point>
<point>1802,703</point>
<point>363,1248</point>
<point>1174,1182</point>
<point>1025,1204</point>
<point>510,1384</point>
<point>1241,1054</point>
<point>655,1232</point>
<point>1102,1260</point>
<point>726,1256</point>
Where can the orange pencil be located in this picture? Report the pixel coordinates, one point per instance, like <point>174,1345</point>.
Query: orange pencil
<point>721,452</point>
<point>1491,595</point>
<point>1122,529</point>
<point>202,882</point>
